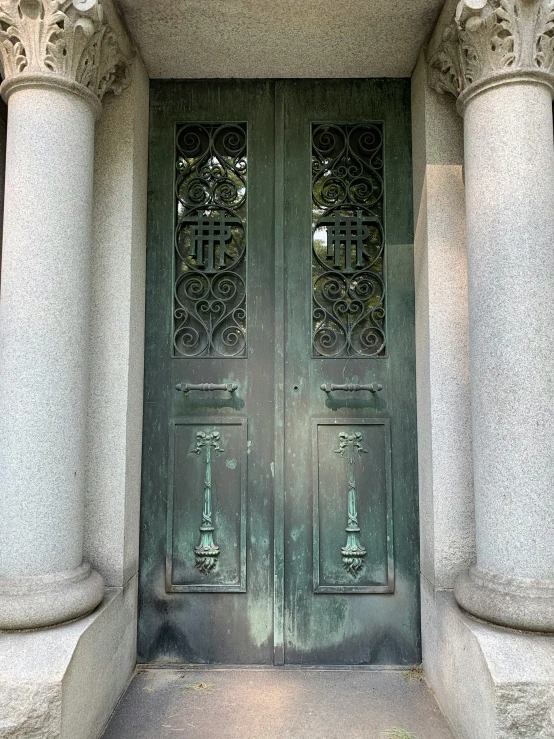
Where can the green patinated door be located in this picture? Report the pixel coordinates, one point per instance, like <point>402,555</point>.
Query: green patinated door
<point>279,512</point>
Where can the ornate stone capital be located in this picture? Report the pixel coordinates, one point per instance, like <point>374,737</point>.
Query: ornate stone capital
<point>492,41</point>
<point>65,40</point>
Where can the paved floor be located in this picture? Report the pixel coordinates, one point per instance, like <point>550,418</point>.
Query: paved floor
<point>274,704</point>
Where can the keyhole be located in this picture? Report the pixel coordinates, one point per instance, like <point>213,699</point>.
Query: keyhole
<point>296,388</point>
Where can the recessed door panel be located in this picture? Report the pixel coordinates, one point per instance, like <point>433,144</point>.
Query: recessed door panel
<point>352,499</point>
<point>206,511</point>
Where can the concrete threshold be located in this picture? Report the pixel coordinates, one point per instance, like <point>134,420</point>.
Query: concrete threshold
<point>273,703</point>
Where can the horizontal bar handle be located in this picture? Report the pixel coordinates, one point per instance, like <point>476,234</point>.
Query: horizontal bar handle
<point>350,388</point>
<point>207,387</point>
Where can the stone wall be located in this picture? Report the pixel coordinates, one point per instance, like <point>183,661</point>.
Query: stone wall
<point>442,337</point>
<point>117,333</point>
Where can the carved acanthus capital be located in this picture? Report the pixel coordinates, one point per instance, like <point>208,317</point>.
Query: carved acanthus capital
<point>491,40</point>
<point>65,39</point>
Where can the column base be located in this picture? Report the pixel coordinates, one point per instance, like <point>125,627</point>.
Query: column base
<point>518,603</point>
<point>64,682</point>
<point>490,683</point>
<point>36,602</point>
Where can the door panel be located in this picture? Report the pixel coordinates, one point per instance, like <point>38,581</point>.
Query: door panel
<point>348,220</point>
<point>209,317</point>
<point>279,519</point>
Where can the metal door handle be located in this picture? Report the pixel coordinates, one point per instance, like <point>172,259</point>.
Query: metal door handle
<point>207,387</point>
<point>374,388</point>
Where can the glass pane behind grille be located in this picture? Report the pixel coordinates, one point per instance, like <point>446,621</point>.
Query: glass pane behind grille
<point>348,284</point>
<point>209,310</point>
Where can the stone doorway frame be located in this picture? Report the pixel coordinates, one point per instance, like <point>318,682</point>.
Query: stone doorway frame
<point>66,680</point>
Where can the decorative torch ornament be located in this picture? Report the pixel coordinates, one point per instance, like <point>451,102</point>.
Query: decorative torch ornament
<point>207,550</point>
<point>353,553</point>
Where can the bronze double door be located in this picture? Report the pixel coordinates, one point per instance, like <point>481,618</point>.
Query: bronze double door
<point>279,503</point>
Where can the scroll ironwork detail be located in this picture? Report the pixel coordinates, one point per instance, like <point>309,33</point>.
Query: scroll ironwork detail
<point>353,553</point>
<point>210,241</point>
<point>207,551</point>
<point>348,284</point>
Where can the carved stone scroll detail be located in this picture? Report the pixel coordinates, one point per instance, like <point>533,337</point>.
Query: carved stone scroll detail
<point>66,38</point>
<point>490,37</point>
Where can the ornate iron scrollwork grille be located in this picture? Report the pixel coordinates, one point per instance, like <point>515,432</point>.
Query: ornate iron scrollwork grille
<point>210,240</point>
<point>348,283</point>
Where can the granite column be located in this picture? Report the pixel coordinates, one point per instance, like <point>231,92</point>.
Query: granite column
<point>497,58</point>
<point>58,60</point>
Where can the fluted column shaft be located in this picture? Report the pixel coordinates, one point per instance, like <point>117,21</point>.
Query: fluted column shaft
<point>44,323</point>
<point>506,101</point>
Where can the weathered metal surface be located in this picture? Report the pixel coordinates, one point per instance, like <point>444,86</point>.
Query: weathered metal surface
<point>207,550</point>
<point>276,502</point>
<point>225,616</point>
<point>207,387</point>
<point>356,487</point>
<point>206,506</point>
<point>352,387</point>
<point>350,627</point>
<point>353,553</point>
